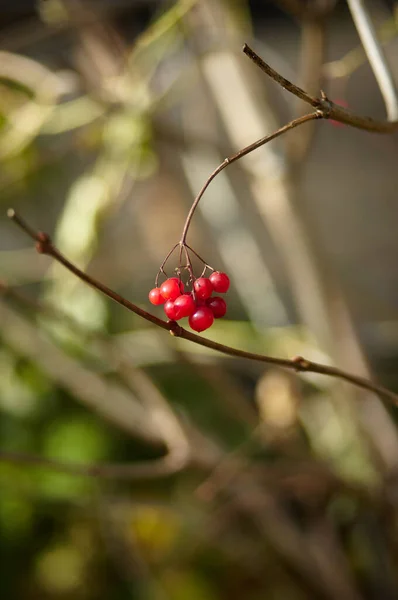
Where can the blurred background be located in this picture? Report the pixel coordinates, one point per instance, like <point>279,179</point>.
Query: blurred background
<point>137,465</point>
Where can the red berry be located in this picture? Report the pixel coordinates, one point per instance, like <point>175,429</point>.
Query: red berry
<point>184,306</point>
<point>171,288</point>
<point>170,310</point>
<point>203,288</point>
<point>220,282</point>
<point>201,319</point>
<point>155,297</point>
<point>218,306</point>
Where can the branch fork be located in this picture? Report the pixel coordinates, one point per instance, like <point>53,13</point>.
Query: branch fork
<point>325,108</point>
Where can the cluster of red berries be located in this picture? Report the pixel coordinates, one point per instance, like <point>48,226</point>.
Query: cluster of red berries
<point>199,305</point>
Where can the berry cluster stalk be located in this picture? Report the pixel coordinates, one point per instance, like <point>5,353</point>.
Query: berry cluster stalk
<point>237,156</point>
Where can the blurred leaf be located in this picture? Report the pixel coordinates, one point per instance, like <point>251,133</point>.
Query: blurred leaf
<point>161,28</point>
<point>16,515</point>
<point>61,569</point>
<point>72,115</point>
<point>17,86</point>
<point>156,530</point>
<point>75,439</point>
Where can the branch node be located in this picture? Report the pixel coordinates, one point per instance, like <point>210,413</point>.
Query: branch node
<point>43,244</point>
<point>174,328</point>
<point>325,106</point>
<point>301,364</point>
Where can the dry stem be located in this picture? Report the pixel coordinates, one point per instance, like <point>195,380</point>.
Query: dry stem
<point>326,108</point>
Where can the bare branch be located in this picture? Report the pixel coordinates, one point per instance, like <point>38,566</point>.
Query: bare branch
<point>285,83</point>
<point>299,364</point>
<point>239,155</point>
<point>325,107</point>
<point>45,246</point>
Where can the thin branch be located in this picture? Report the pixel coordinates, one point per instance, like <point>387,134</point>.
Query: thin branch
<point>325,107</point>
<point>45,246</point>
<point>285,83</point>
<point>376,56</point>
<point>298,364</point>
<point>239,155</point>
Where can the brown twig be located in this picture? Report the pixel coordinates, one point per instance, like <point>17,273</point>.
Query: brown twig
<point>298,364</point>
<point>325,107</point>
<point>285,83</point>
<point>45,246</point>
<point>237,156</point>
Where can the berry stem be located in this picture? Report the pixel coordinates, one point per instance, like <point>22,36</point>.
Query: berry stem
<point>161,268</point>
<point>200,258</point>
<point>189,264</point>
<point>237,156</point>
